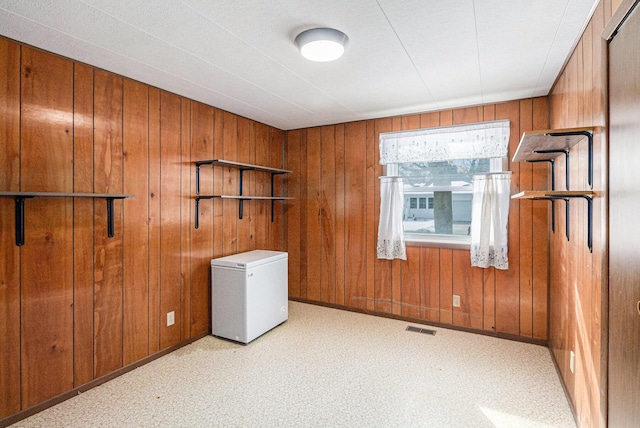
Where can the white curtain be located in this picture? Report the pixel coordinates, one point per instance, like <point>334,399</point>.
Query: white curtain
<point>489,217</point>
<point>472,141</point>
<point>390,230</point>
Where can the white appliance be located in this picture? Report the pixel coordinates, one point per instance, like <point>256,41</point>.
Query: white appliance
<point>249,293</point>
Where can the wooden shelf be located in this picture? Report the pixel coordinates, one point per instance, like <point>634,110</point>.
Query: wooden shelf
<point>242,167</point>
<point>547,144</point>
<point>565,195</point>
<point>552,194</point>
<point>21,196</point>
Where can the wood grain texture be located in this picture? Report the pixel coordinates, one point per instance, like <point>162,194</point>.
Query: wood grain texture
<point>136,238</point>
<point>507,281</point>
<point>355,216</point>
<point>154,220</point>
<point>107,253</point>
<point>293,212</point>
<point>186,222</point>
<point>328,214</point>
<point>170,218</point>
<point>75,302</point>
<point>382,289</point>
<point>230,184</point>
<point>10,394</point>
<point>46,262</point>
<point>314,204</point>
<point>371,226</point>
<point>202,239</point>
<point>83,209</point>
<point>341,261</point>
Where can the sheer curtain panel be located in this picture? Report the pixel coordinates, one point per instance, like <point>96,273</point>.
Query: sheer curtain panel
<point>390,229</point>
<point>489,219</point>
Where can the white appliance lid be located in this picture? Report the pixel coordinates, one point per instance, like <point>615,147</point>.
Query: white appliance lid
<point>249,259</point>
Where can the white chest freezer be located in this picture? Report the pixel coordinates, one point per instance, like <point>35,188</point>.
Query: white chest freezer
<point>249,293</point>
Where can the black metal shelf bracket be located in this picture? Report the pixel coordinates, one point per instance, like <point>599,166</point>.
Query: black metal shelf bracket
<point>196,222</point>
<point>553,187</point>
<point>20,219</point>
<point>589,136</point>
<point>242,169</point>
<point>589,200</point>
<point>20,207</point>
<point>566,154</point>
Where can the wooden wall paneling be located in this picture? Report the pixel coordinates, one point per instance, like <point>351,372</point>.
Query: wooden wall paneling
<point>314,212</point>
<point>202,238</point>
<point>328,214</point>
<point>371,226</point>
<point>154,225</point>
<point>293,210</point>
<point>411,272</point>
<point>244,147</point>
<point>409,284</point>
<point>507,281</point>
<point>82,225</point>
<point>186,219</point>
<point>231,183</point>
<point>382,287</point>
<point>355,216</point>
<point>341,260</point>
<point>170,260</point>
<point>304,216</point>
<point>10,394</point>
<point>446,286</point>
<point>541,229</point>
<point>467,284</point>
<point>276,227</point>
<point>526,229</point>
<point>46,262</point>
<point>489,274</point>
<point>218,184</point>
<point>136,236</point>
<point>599,309</point>
<point>430,284</point>
<point>262,213</point>
<point>108,252</point>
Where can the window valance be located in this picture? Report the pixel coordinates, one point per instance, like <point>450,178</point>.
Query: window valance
<point>473,141</point>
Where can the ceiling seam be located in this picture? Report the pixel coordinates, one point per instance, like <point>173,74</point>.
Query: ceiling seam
<point>203,60</point>
<point>260,52</point>
<point>475,22</point>
<point>415,67</point>
<point>164,72</point>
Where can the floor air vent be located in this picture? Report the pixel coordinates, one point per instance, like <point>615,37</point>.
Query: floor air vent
<point>421,330</point>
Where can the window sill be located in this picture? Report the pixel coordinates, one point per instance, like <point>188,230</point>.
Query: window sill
<point>438,241</point>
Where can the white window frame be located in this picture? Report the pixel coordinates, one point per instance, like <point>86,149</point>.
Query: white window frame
<point>461,242</point>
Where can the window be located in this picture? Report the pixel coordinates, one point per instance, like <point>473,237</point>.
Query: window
<point>437,167</point>
<point>438,198</point>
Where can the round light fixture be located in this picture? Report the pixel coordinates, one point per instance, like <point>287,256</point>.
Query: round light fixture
<point>322,44</point>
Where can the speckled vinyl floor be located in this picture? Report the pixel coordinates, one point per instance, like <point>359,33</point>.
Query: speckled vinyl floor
<point>330,368</point>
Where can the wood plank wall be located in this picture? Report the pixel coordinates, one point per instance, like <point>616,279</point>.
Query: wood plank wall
<point>577,284</point>
<point>74,304</point>
<point>332,229</point>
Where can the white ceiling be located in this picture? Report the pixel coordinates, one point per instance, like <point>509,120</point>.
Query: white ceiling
<point>404,56</point>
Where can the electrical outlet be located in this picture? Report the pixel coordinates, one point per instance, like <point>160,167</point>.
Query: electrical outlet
<point>171,318</point>
<point>456,301</point>
<point>572,362</point>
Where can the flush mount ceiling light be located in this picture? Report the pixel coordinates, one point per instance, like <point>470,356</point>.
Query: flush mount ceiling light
<point>322,44</point>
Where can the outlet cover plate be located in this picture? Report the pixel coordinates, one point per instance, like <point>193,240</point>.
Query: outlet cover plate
<point>456,301</point>
<point>171,318</point>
